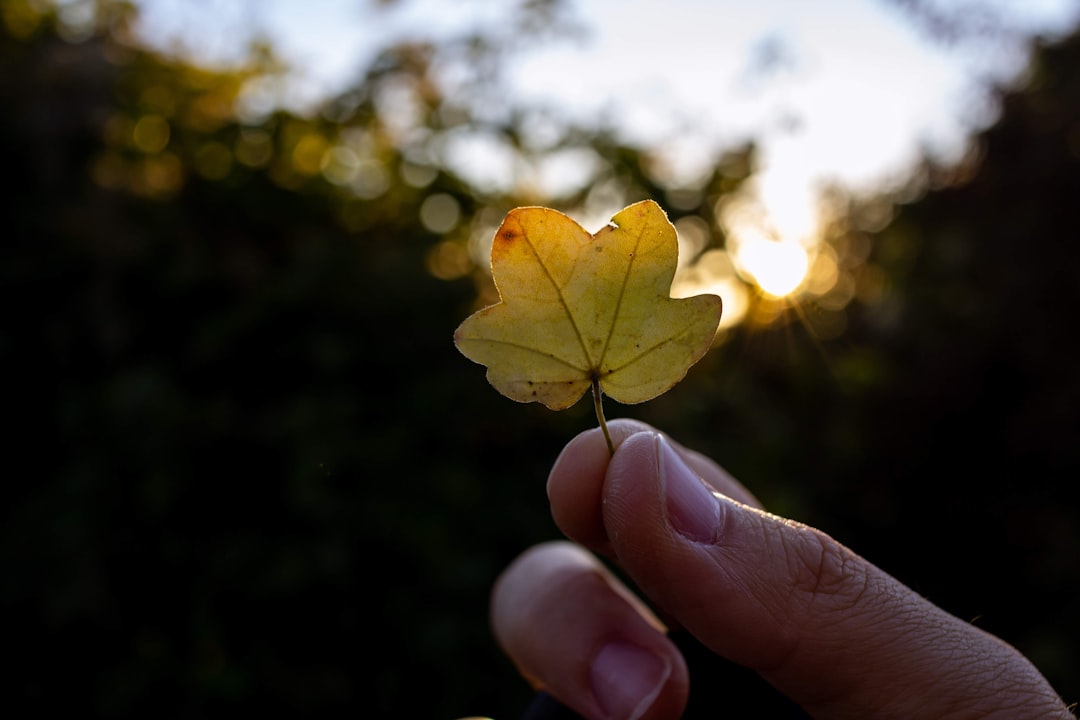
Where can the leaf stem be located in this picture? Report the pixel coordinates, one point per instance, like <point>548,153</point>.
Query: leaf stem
<point>598,403</point>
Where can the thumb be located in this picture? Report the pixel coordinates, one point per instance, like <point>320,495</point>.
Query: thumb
<point>828,629</point>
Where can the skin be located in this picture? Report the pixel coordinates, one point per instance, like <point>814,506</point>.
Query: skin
<point>828,629</point>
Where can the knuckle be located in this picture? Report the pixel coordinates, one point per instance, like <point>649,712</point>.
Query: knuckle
<point>828,579</point>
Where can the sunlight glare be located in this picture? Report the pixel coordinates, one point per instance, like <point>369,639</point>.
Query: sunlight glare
<point>772,231</point>
<point>790,206</point>
<point>777,267</point>
<point>713,273</point>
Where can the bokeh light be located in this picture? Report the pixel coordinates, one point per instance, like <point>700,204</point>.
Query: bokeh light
<point>340,164</point>
<point>440,213</point>
<point>254,148</point>
<point>449,260</point>
<point>151,134</point>
<point>307,155</point>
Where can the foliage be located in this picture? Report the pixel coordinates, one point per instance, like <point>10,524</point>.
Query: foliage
<point>248,464</point>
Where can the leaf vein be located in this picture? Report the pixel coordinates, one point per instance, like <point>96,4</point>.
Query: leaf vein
<point>646,351</point>
<point>520,346</point>
<point>619,301</point>
<point>565,305</point>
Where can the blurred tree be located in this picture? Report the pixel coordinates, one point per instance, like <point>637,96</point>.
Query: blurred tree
<point>248,460</point>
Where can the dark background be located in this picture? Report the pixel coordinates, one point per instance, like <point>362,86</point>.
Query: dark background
<point>247,471</point>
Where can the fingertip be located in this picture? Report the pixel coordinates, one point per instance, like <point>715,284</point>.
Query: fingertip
<point>572,629</point>
<point>575,483</point>
<point>633,682</point>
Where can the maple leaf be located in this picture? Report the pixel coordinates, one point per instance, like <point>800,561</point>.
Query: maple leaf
<point>579,310</point>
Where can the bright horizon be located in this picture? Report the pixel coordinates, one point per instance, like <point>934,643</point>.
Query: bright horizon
<point>844,90</point>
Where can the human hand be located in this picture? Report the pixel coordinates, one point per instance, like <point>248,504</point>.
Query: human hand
<point>826,628</point>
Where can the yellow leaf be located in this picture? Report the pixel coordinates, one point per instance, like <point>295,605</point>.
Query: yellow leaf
<point>577,308</point>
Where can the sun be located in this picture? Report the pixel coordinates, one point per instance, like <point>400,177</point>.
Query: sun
<point>771,229</point>
<point>779,268</point>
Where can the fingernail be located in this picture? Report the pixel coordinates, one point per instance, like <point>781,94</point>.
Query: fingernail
<point>692,509</point>
<point>626,679</point>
